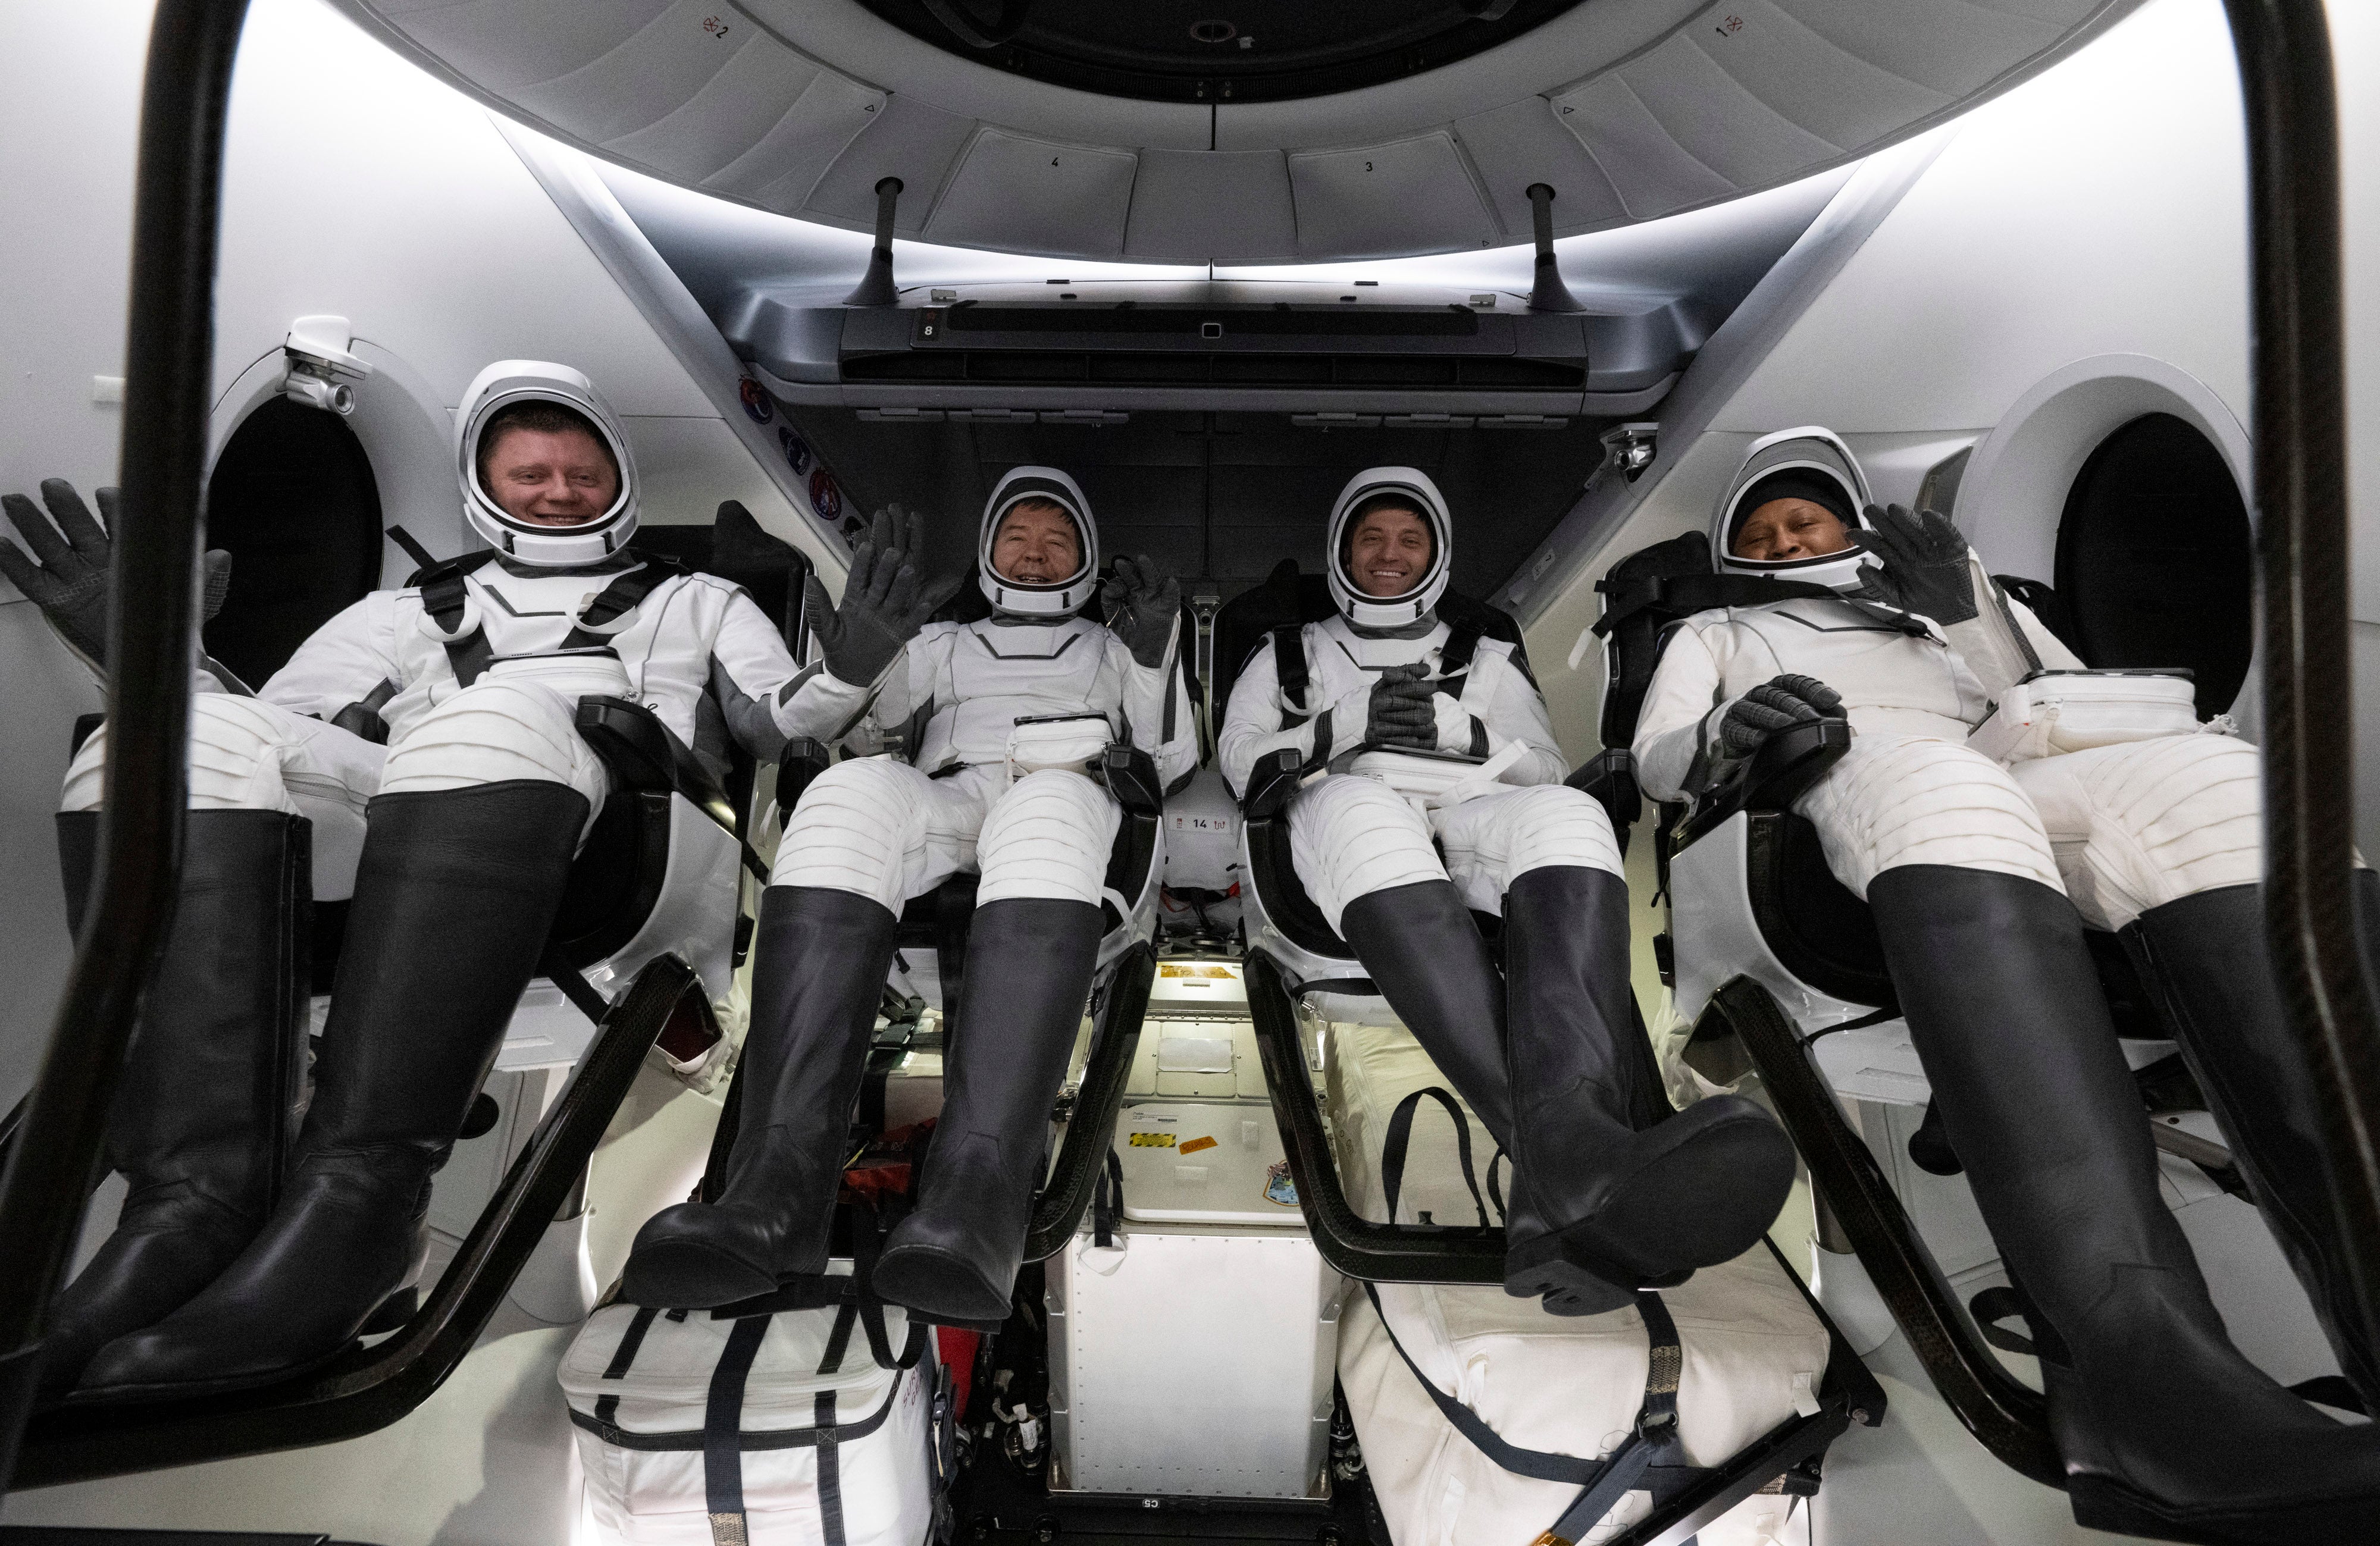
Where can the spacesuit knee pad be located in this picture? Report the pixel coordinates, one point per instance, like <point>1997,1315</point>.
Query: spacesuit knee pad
<point>237,752</point>
<point>1047,837</point>
<point>853,831</point>
<point>1349,837</point>
<point>494,732</point>
<point>1549,825</point>
<point>1898,800</point>
<point>2159,821</point>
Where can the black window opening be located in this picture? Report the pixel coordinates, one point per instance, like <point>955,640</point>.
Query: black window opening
<point>2156,561</point>
<point>293,502</point>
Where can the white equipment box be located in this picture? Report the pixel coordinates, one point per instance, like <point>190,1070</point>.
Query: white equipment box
<point>1193,1357</point>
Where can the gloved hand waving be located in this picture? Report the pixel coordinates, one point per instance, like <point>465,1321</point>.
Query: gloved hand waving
<point>1142,605</point>
<point>1773,708</point>
<point>884,603</point>
<point>1924,563</point>
<point>65,575</point>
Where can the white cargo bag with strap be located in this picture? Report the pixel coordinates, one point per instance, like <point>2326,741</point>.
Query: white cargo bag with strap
<point>815,1422</point>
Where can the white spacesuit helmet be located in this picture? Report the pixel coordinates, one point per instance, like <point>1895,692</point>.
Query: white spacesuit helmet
<point>510,381</point>
<point>1809,463</point>
<point>1065,597</point>
<point>1377,611</point>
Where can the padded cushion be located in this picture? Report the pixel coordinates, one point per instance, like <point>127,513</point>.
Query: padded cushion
<point>1753,1346</point>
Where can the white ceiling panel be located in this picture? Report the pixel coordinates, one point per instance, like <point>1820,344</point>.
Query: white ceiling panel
<point>1951,46</point>
<point>505,45</point>
<point>1651,172</point>
<point>1524,142</point>
<point>644,79</point>
<point>733,111</point>
<point>906,139</point>
<point>1019,195</point>
<point>1212,207</point>
<point>1407,195</point>
<point>781,170</point>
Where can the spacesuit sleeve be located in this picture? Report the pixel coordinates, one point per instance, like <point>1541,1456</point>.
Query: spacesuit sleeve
<point>1683,706</point>
<point>1157,706</point>
<point>1512,709</point>
<point>350,660</point>
<point>766,698</point>
<point>2055,656</point>
<point>1252,722</point>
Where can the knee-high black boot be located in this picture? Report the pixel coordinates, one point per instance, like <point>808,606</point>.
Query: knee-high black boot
<point>2165,1429</point>
<point>2206,960</point>
<point>455,894</point>
<point>1597,1208</point>
<point>1623,1198</point>
<point>818,975</point>
<point>201,1119</point>
<point>1029,965</point>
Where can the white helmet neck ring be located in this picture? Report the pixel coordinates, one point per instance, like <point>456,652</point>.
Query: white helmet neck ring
<point>1027,599</point>
<point>508,384</point>
<point>1421,494</point>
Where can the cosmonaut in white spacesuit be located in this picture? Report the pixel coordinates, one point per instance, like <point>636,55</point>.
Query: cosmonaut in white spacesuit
<point>418,755</point>
<point>1598,1208</point>
<point>1982,877</point>
<point>1001,718</point>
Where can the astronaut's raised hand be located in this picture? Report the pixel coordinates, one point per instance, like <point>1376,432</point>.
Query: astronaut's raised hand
<point>1397,710</point>
<point>884,602</point>
<point>65,575</point>
<point>1925,564</point>
<point>1773,708</point>
<point>1142,605</point>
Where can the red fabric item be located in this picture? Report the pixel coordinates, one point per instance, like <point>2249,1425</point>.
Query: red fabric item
<point>957,1349</point>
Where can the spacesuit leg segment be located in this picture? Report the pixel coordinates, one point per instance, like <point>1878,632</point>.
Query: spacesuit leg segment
<point>205,1110</point>
<point>2163,1425</point>
<point>1350,837</point>
<point>2162,839</point>
<point>866,837</point>
<point>1911,800</point>
<point>455,896</point>
<point>1032,946</point>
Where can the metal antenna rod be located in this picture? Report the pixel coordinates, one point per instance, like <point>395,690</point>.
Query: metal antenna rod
<point>875,287</point>
<point>1549,293</point>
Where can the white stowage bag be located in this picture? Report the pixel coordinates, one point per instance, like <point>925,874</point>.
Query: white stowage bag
<point>1755,1352</point>
<point>639,1425</point>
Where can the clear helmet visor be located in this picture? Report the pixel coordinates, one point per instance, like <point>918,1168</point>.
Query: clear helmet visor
<point>1376,489</point>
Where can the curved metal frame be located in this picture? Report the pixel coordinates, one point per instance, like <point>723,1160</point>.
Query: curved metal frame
<point>1083,1153</point>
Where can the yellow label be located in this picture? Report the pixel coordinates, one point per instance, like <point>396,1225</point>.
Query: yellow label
<point>1193,1145</point>
<point>1153,1140</point>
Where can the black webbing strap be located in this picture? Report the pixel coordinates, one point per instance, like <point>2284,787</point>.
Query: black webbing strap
<point>623,596</point>
<point>830,1467</point>
<point>607,1408</point>
<point>1290,674</point>
<point>411,547</point>
<point>1107,1201</point>
<point>1399,1137</point>
<point>723,1433</point>
<point>867,1234</point>
<point>444,593</point>
<point>1601,1483</point>
<point>838,1341</point>
<point>1454,657</point>
<point>1684,595</point>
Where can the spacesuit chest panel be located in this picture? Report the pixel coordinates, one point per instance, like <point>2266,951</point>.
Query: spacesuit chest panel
<point>1342,660</point>
<point>998,675</point>
<point>1888,679</point>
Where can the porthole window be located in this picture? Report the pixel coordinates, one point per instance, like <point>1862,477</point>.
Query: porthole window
<point>293,502</point>
<point>2156,558</point>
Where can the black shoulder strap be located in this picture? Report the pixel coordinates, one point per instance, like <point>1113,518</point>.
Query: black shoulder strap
<point>444,595</point>
<point>1289,673</point>
<point>1461,642</point>
<point>623,596</point>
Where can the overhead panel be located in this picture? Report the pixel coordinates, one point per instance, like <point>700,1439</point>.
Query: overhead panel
<point>1212,207</point>
<point>906,139</point>
<point>643,80</point>
<point>727,117</point>
<point>779,172</point>
<point>1523,144</point>
<point>1406,195</point>
<point>1719,120</point>
<point>502,45</point>
<point>1839,97</point>
<point>1020,195</point>
<point>1652,173</point>
<point>1950,46</point>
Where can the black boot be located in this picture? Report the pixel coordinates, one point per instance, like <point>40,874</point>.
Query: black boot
<point>1028,972</point>
<point>2206,958</point>
<point>1597,1208</point>
<point>455,894</point>
<point>818,976</point>
<point>1634,1192</point>
<point>2165,1429</point>
<point>202,1120</point>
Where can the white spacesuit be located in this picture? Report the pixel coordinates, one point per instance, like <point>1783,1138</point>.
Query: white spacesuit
<point>1002,717</point>
<point>1982,875</point>
<point>452,839</point>
<point>1388,683</point>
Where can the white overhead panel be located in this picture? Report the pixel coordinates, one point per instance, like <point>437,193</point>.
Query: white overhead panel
<point>1629,109</point>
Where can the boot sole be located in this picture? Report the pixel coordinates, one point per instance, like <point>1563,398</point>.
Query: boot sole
<point>1690,1203</point>
<point>940,1285</point>
<point>2101,1504</point>
<point>687,1274</point>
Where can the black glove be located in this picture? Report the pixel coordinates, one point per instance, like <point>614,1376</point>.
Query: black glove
<point>1775,705</point>
<point>1924,563</point>
<point>1400,712</point>
<point>68,583</point>
<point>1142,608</point>
<point>883,602</point>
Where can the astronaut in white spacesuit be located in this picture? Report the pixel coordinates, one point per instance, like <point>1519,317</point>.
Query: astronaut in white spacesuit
<point>417,756</point>
<point>1983,877</point>
<point>1002,717</point>
<point>1598,1207</point>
